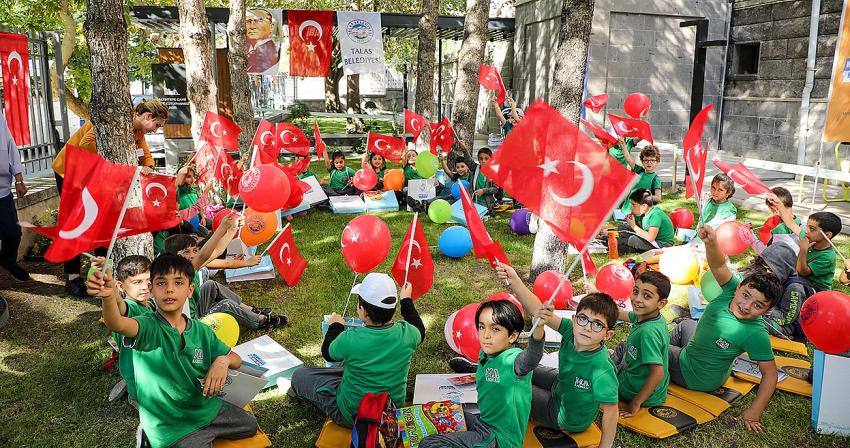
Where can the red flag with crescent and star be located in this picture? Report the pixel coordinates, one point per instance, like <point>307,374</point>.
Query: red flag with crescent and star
<point>631,127</point>
<point>596,102</point>
<point>414,123</point>
<point>159,204</point>
<point>695,154</point>
<point>265,143</point>
<point>389,147</point>
<point>442,136</point>
<point>317,137</point>
<point>292,139</point>
<point>490,79</point>
<point>560,174</point>
<point>286,258</point>
<point>607,140</point>
<point>220,131</point>
<point>14,64</point>
<point>310,42</point>
<point>420,269</point>
<point>743,177</point>
<point>482,244</point>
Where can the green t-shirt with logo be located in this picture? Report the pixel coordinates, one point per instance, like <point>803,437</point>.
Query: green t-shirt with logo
<point>410,173</point>
<point>783,229</point>
<point>647,344</point>
<point>125,355</point>
<point>617,152</point>
<point>648,181</point>
<point>380,173</point>
<point>187,196</point>
<point>714,214</point>
<point>822,264</point>
<point>170,368</point>
<point>585,380</point>
<point>656,217</point>
<point>503,397</point>
<point>375,359</point>
<point>340,178</point>
<point>706,362</point>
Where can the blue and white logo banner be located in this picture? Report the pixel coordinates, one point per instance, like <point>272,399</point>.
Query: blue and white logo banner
<point>361,42</point>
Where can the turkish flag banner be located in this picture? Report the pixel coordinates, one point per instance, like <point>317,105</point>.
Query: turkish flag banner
<point>206,159</point>
<point>220,131</point>
<point>631,127</point>
<point>159,202</point>
<point>265,144</point>
<point>587,264</point>
<point>560,174</point>
<point>292,139</point>
<point>442,136</point>
<point>317,137</point>
<point>310,42</point>
<point>286,258</point>
<point>389,147</point>
<point>482,244</point>
<point>228,173</point>
<point>413,123</point>
<point>419,269</point>
<point>490,79</point>
<point>607,140</point>
<point>743,177</point>
<point>14,63</point>
<point>297,167</point>
<point>695,154</point>
<point>596,102</point>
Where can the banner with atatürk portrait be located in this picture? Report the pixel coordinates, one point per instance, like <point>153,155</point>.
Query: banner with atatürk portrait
<point>361,42</point>
<point>265,33</point>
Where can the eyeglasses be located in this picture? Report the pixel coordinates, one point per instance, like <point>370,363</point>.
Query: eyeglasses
<point>582,320</point>
<point>649,160</point>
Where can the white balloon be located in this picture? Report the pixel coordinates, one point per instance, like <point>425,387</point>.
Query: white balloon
<point>447,332</point>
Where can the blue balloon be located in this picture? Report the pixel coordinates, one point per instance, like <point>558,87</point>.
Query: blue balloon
<point>456,188</point>
<point>520,220</point>
<point>455,242</point>
<point>195,221</point>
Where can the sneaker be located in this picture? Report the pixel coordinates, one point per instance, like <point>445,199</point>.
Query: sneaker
<point>118,391</point>
<point>264,311</point>
<point>462,365</point>
<point>76,288</point>
<point>775,329</point>
<point>273,321</point>
<point>18,272</point>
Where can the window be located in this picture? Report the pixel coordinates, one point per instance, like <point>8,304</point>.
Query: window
<point>746,60</point>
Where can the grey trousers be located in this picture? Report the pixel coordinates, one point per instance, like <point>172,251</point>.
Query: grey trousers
<point>217,298</point>
<point>231,423</point>
<point>679,338</point>
<point>477,435</point>
<point>544,404</point>
<point>619,357</point>
<point>784,319</point>
<point>318,385</point>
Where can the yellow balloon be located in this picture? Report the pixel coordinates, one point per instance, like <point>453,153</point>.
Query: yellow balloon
<point>224,326</point>
<point>679,264</point>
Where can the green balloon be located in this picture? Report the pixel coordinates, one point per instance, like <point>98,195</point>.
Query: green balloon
<point>439,211</point>
<point>426,164</point>
<point>709,286</point>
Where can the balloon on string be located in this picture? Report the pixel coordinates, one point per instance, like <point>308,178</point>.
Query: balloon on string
<point>546,283</point>
<point>365,243</point>
<point>220,215</point>
<point>509,297</point>
<point>440,211</point>
<point>259,227</point>
<point>455,242</point>
<point>448,332</point>
<point>824,318</point>
<point>682,218</point>
<point>296,194</point>
<point>224,326</point>
<point>615,280</point>
<point>456,187</point>
<point>365,178</point>
<point>394,179</point>
<point>426,164</point>
<point>709,286</point>
<point>465,332</point>
<point>636,105</point>
<point>264,188</point>
<point>679,264</point>
<point>520,221</point>
<point>734,237</point>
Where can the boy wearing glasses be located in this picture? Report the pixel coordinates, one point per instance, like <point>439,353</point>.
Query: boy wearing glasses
<point>650,156</point>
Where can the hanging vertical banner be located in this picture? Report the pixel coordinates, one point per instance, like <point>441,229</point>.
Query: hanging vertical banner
<point>310,42</point>
<point>264,30</point>
<point>14,63</point>
<point>837,127</point>
<point>361,42</point>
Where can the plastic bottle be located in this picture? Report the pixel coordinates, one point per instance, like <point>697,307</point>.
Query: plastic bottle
<point>613,251</point>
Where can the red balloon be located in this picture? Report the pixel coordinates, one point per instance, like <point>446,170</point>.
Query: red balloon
<point>637,105</point>
<point>734,237</point>
<point>296,193</point>
<point>682,218</point>
<point>615,280</point>
<point>465,332</point>
<point>365,178</point>
<point>546,283</point>
<point>824,318</point>
<point>507,296</point>
<point>264,188</point>
<point>219,216</point>
<point>448,332</point>
<point>365,243</point>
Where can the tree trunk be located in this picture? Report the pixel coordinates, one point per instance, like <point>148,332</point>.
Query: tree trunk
<point>197,54</point>
<point>471,57</point>
<point>237,59</point>
<point>111,110</point>
<point>567,89</point>
<point>426,59</point>
<point>352,103</point>
<point>69,36</point>
<point>332,100</point>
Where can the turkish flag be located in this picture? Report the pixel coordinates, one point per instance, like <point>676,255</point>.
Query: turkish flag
<point>285,257</point>
<point>391,148</point>
<point>482,244</point>
<point>413,123</point>
<point>743,177</point>
<point>420,264</point>
<point>159,204</point>
<point>265,143</point>
<point>596,103</point>
<point>220,131</point>
<point>607,140</point>
<point>297,167</point>
<point>14,63</point>
<point>560,174</point>
<point>490,79</point>
<point>317,137</point>
<point>310,43</point>
<point>587,264</point>
<point>292,139</point>
<point>695,155</point>
<point>630,127</point>
<point>442,136</point>
<point>228,173</point>
<point>206,160</point>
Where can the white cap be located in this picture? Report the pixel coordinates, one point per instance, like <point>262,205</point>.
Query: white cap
<point>375,288</point>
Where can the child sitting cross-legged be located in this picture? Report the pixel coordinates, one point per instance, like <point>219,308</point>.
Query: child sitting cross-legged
<point>655,229</point>
<point>374,358</point>
<point>180,365</point>
<point>503,380</point>
<point>341,176</point>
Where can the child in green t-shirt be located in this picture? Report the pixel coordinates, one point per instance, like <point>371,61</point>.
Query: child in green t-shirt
<point>503,381</point>
<point>408,165</point>
<point>655,229</point>
<point>642,360</point>
<point>341,177</point>
<point>377,162</point>
<point>375,358</point>
<point>781,204</point>
<point>484,191</point>
<point>718,209</point>
<point>624,146</point>
<point>180,365</point>
<point>650,156</point>
<point>133,279</point>
<point>701,354</point>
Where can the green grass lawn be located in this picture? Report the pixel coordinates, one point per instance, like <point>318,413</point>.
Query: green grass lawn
<point>53,392</point>
<point>334,125</point>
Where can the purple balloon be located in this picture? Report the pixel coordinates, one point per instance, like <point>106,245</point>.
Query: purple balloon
<point>519,221</point>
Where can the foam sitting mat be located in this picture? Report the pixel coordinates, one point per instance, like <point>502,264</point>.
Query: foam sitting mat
<point>785,345</point>
<point>259,440</point>
<point>333,436</point>
<point>798,372</point>
<point>537,436</point>
<point>672,417</point>
<point>717,400</point>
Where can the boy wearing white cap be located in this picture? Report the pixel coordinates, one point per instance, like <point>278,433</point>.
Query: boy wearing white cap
<point>374,358</point>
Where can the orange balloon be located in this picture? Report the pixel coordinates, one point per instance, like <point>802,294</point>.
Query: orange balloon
<point>259,227</point>
<point>394,179</point>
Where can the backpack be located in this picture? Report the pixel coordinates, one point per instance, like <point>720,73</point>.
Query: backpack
<point>375,423</point>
